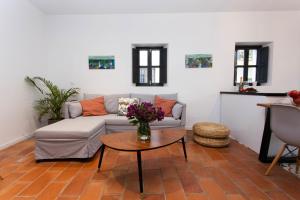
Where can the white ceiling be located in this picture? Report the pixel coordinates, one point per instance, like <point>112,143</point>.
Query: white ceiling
<point>161,6</point>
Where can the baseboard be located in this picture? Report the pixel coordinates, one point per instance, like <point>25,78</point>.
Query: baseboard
<point>15,141</point>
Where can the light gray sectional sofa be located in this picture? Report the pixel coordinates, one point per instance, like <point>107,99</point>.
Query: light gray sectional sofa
<point>78,137</point>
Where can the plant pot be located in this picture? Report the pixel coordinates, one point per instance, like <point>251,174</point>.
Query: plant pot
<point>143,131</point>
<point>52,121</point>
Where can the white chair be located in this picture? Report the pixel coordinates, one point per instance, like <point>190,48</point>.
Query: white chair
<point>285,124</point>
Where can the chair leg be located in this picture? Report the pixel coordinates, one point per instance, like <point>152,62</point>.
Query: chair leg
<point>277,157</point>
<point>298,161</point>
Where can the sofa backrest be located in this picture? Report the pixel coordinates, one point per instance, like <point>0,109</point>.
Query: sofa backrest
<point>110,101</point>
<point>143,97</point>
<point>151,97</point>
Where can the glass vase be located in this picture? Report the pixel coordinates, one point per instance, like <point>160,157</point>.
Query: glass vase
<point>143,131</point>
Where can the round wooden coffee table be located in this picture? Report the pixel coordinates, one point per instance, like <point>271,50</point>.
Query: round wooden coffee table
<point>127,141</point>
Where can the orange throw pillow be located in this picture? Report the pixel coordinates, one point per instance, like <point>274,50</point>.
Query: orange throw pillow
<point>165,104</point>
<point>93,107</point>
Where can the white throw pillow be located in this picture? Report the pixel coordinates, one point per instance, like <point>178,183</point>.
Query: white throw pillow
<point>75,109</point>
<point>177,110</point>
<point>124,103</point>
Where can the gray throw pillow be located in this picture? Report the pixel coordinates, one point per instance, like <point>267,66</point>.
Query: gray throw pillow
<point>144,97</point>
<point>177,110</point>
<point>75,109</point>
<point>111,102</point>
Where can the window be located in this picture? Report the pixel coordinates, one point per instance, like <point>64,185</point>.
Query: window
<point>251,64</point>
<point>149,66</point>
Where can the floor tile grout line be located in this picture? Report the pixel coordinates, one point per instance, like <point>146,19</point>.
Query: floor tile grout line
<point>30,181</point>
<point>48,183</point>
<point>86,186</point>
<point>36,196</point>
<point>70,180</point>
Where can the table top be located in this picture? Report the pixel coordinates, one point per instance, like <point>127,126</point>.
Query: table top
<point>127,141</point>
<point>266,105</point>
<point>267,94</point>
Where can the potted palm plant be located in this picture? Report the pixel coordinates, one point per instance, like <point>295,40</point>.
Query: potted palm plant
<point>52,99</point>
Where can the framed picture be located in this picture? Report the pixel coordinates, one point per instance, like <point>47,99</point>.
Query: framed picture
<point>101,62</point>
<point>198,61</point>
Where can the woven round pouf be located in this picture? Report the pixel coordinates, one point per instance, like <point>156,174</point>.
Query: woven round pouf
<point>211,134</point>
<point>212,142</point>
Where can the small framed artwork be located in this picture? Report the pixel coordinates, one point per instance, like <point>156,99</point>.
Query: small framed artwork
<point>101,62</point>
<point>198,61</point>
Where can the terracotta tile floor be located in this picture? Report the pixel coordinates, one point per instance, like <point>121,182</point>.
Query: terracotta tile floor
<point>232,173</point>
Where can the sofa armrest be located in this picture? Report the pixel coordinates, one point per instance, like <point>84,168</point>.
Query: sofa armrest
<point>183,114</point>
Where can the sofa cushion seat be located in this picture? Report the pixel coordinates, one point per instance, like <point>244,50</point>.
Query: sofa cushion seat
<point>80,127</point>
<point>117,120</point>
<point>114,119</point>
<point>167,121</point>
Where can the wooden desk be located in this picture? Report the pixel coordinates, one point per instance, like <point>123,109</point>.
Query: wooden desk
<point>266,105</point>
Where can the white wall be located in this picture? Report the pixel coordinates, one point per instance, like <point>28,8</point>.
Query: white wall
<point>62,56</point>
<point>21,52</point>
<point>71,39</point>
<point>246,121</point>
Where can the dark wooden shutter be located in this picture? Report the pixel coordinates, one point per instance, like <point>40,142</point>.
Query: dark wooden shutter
<point>163,67</point>
<point>263,62</point>
<point>135,65</point>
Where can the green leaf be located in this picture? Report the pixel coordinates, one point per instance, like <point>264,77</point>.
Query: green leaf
<point>53,97</point>
<point>134,121</point>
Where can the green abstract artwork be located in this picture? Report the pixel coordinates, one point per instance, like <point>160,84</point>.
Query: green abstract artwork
<point>101,62</point>
<point>198,61</point>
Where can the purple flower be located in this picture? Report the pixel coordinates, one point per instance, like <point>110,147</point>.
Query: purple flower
<point>144,112</point>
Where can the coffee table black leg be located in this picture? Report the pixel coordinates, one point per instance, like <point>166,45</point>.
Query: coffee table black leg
<point>183,145</point>
<point>139,159</point>
<point>101,156</point>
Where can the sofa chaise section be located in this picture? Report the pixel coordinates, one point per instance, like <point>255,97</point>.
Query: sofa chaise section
<point>69,138</point>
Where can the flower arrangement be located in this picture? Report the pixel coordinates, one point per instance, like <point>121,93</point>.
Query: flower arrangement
<point>141,115</point>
